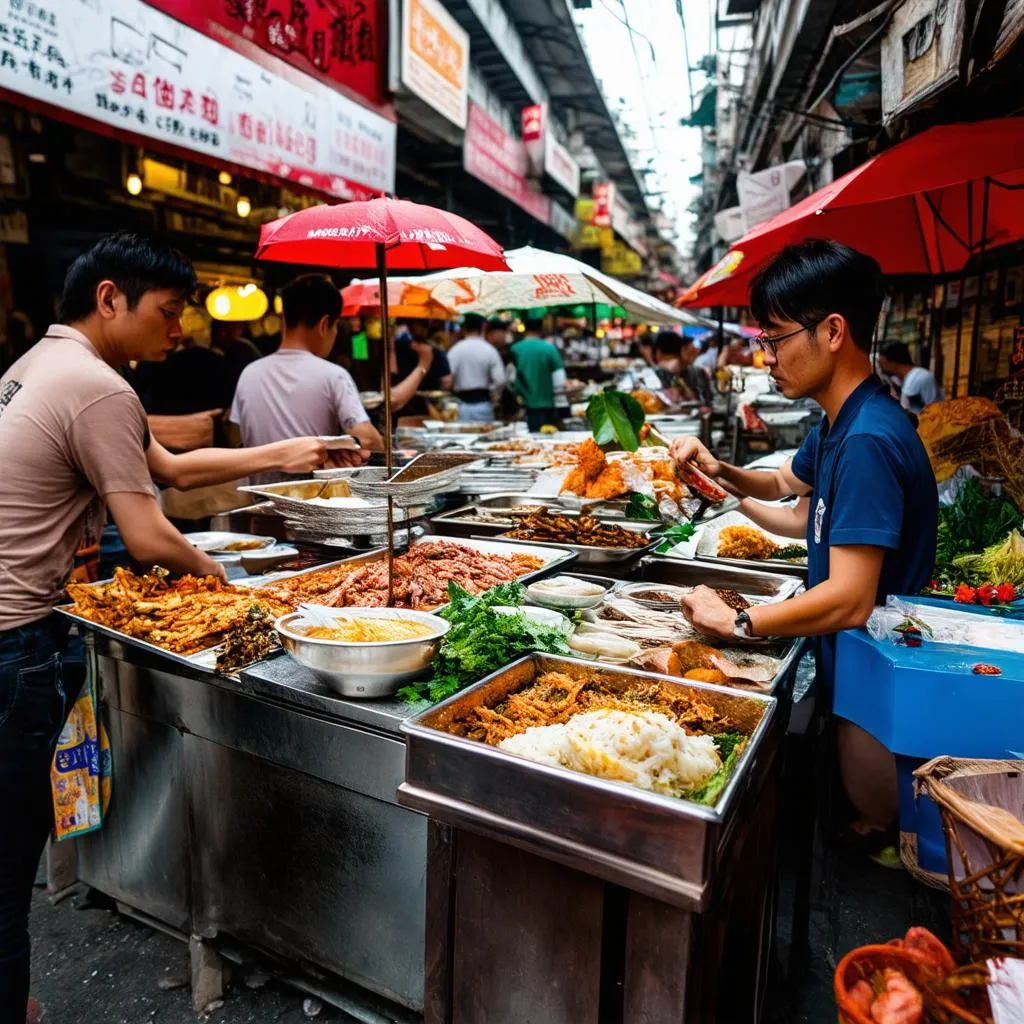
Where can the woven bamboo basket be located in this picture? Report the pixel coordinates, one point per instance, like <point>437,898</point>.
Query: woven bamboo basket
<point>958,998</point>
<point>982,807</point>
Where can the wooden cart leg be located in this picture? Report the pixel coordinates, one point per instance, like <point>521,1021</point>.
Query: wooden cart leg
<point>206,973</point>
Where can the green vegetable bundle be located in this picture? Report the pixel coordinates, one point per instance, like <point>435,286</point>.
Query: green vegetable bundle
<point>481,641</point>
<point>977,520</point>
<point>999,563</point>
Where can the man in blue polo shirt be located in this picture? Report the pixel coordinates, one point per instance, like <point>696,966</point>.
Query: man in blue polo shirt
<point>868,505</point>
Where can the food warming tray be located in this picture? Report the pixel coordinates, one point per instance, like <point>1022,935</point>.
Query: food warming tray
<point>665,847</point>
<point>590,554</point>
<point>555,559</point>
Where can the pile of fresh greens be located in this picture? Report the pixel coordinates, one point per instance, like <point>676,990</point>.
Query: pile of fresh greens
<point>977,520</point>
<point>481,641</point>
<point>616,418</point>
<point>730,746</point>
<point>675,535</point>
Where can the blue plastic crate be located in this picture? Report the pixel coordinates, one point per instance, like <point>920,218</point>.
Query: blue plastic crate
<point>927,701</point>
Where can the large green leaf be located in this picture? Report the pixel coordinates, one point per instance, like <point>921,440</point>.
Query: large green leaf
<point>615,417</point>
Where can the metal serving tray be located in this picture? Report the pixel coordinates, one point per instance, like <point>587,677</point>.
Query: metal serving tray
<point>590,554</point>
<point>555,558</point>
<point>660,845</point>
<point>462,521</point>
<point>756,586</point>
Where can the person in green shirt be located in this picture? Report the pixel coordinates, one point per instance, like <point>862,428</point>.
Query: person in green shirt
<point>540,375</point>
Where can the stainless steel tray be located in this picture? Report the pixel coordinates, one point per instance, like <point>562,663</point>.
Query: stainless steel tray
<point>660,845</point>
<point>752,584</point>
<point>591,555</point>
<point>555,558</point>
<point>759,565</point>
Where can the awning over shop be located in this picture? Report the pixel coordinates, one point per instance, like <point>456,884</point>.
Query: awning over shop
<point>925,206</point>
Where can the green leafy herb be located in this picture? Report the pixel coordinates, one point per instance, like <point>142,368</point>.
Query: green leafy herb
<point>640,506</point>
<point>790,551</point>
<point>977,520</point>
<point>616,417</point>
<point>675,535</point>
<point>482,641</point>
<point>729,747</point>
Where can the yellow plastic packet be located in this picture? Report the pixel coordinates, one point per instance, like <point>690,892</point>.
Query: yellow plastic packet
<point>80,773</point>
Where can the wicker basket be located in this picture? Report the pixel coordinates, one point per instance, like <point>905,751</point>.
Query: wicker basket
<point>982,804</point>
<point>960,997</point>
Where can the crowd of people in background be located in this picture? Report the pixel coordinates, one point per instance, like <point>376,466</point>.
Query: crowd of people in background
<point>228,388</point>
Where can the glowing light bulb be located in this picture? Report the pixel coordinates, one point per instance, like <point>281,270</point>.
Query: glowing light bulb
<point>224,178</point>
<point>243,206</point>
<point>133,184</point>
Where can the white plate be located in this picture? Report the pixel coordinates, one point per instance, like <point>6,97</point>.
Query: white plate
<point>708,543</point>
<point>215,542</point>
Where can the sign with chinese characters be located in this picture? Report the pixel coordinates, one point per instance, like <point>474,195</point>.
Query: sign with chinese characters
<point>604,197</point>
<point>435,58</point>
<point>499,160</point>
<point>122,63</point>
<point>560,166</point>
<point>341,39</point>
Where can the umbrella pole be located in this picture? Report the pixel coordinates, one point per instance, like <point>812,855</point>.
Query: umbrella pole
<point>385,379</point>
<point>976,328</point>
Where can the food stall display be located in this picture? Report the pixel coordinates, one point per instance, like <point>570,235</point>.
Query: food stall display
<point>979,554</point>
<point>568,784</point>
<point>422,575</point>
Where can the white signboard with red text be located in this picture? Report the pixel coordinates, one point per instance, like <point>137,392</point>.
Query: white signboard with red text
<point>499,160</point>
<point>435,58</point>
<point>134,69</point>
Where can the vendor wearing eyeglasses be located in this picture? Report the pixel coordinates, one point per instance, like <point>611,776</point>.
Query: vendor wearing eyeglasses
<point>868,500</point>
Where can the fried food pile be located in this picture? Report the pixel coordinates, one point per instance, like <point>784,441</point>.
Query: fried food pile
<point>184,616</point>
<point>595,475</point>
<point>556,697</point>
<point>552,528</point>
<point>649,401</point>
<point>745,542</point>
<point>248,642</point>
<point>422,576</point>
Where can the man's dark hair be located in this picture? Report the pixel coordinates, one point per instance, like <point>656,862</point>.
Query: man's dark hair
<point>472,323</point>
<point>668,343</point>
<point>495,324</point>
<point>809,281</point>
<point>308,299</point>
<point>135,263</point>
<point>898,353</point>
<point>534,325</point>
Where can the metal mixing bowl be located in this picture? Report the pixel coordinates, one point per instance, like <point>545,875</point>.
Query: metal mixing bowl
<point>365,670</point>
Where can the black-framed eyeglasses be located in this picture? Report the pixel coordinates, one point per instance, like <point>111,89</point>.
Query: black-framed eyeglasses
<point>767,344</point>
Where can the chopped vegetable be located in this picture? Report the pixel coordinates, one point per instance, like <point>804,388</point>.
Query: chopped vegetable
<point>1002,561</point>
<point>977,520</point>
<point>482,641</point>
<point>730,746</point>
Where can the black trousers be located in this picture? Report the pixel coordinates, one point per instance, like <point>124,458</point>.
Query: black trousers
<point>41,675</point>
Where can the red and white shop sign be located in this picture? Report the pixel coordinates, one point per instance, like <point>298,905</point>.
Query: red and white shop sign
<point>499,160</point>
<point>344,40</point>
<point>134,69</point>
<point>604,198</point>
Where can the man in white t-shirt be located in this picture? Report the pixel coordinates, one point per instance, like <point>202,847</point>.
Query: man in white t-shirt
<point>478,373</point>
<point>918,386</point>
<point>295,391</point>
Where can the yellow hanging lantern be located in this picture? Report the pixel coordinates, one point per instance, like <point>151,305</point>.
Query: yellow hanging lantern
<point>237,302</point>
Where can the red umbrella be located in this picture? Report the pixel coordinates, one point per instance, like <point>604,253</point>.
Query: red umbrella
<point>413,237</point>
<point>389,234</point>
<point>925,206</point>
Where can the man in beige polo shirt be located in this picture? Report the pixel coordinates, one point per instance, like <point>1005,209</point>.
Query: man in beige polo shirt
<point>73,437</point>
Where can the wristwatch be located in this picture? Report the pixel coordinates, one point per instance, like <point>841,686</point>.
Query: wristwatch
<point>743,627</point>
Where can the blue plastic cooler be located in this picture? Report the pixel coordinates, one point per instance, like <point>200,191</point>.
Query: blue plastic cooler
<point>926,701</point>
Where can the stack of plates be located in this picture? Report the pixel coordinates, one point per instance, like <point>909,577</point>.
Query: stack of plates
<point>497,479</point>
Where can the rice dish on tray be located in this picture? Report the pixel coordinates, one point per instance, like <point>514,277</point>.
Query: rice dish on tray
<point>651,735</point>
<point>647,749</point>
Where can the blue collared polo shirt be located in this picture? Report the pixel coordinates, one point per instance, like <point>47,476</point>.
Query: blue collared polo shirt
<point>873,485</point>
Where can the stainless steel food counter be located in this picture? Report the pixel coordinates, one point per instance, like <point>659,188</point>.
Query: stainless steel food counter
<point>264,810</point>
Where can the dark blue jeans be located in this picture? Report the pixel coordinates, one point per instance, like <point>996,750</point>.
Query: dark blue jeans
<point>41,673</point>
